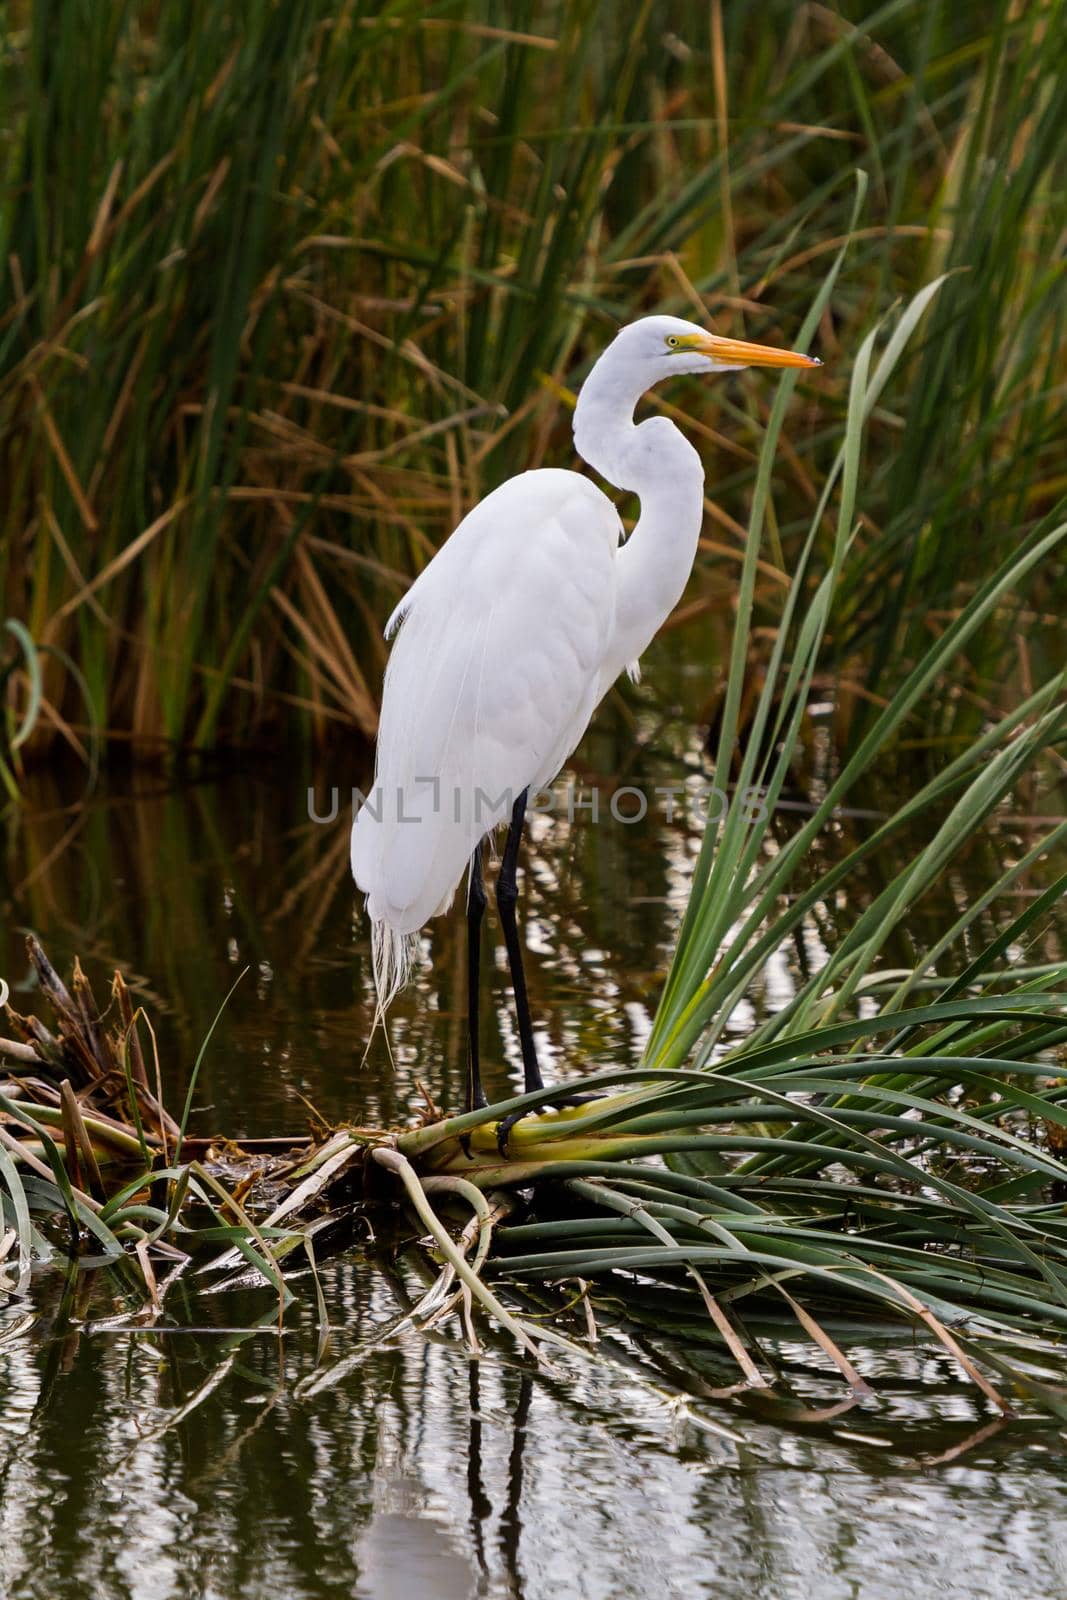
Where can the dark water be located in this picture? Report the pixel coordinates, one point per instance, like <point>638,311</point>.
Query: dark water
<point>203,1459</point>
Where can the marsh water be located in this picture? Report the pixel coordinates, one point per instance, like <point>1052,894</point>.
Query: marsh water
<point>216,1454</point>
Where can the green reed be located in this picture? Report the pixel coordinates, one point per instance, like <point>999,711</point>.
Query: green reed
<point>287,287</point>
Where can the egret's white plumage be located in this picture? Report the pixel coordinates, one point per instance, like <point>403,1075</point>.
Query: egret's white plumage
<point>520,624</point>
<point>490,684</point>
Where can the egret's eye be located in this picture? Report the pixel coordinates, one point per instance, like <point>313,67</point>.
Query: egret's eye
<point>672,340</point>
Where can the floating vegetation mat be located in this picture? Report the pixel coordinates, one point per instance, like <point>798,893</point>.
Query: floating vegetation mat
<point>843,1181</point>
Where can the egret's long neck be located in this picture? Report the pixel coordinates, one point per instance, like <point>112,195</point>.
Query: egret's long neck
<point>658,464</point>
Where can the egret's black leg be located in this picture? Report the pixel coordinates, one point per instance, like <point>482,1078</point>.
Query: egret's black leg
<point>507,893</point>
<point>475,1098</point>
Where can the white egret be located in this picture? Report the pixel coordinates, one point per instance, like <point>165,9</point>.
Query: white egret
<point>509,639</point>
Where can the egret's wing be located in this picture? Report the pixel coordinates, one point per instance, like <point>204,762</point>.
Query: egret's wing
<point>491,682</point>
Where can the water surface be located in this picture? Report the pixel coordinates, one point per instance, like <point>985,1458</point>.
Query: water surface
<point>198,1458</point>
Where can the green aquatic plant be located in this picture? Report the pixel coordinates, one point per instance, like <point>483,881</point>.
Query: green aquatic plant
<point>17,728</point>
<point>24,706</point>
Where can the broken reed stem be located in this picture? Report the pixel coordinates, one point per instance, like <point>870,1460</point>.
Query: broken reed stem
<point>76,1138</point>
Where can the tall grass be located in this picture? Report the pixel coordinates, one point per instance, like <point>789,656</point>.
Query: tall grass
<point>287,287</point>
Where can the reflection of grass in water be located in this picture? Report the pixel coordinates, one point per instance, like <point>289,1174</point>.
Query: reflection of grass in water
<point>276,1468</point>
<point>269,288</point>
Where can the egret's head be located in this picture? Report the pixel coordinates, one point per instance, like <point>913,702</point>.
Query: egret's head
<point>664,346</point>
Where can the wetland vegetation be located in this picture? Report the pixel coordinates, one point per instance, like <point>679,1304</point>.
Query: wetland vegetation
<point>287,289</point>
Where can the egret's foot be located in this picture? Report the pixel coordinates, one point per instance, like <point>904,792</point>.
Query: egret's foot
<point>505,1125</point>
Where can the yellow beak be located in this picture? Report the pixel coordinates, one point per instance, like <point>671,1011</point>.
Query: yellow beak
<point>739,353</point>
